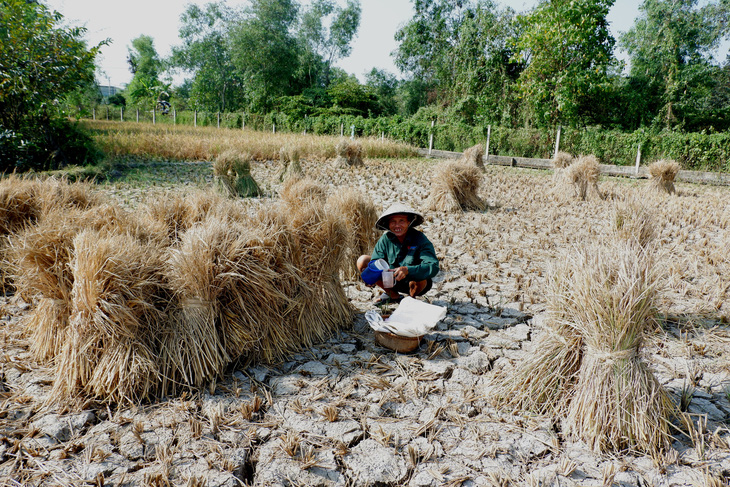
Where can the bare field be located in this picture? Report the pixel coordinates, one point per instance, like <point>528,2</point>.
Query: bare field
<point>349,412</point>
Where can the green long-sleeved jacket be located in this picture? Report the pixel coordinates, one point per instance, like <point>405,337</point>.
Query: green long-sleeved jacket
<point>420,259</point>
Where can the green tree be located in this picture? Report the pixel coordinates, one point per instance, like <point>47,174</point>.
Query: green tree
<point>328,44</point>
<point>216,85</point>
<point>460,51</point>
<point>568,52</point>
<point>265,51</point>
<point>146,88</point>
<point>669,47</point>
<point>385,87</point>
<point>40,62</point>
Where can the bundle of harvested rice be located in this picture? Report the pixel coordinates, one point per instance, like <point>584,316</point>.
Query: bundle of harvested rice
<point>544,379</point>
<point>191,350</point>
<point>305,191</point>
<point>663,172</point>
<point>18,207</point>
<point>40,259</point>
<point>108,351</point>
<point>474,156</point>
<point>322,238</point>
<point>617,403</point>
<point>455,188</point>
<point>562,160</point>
<point>560,163</point>
<point>291,167</point>
<point>359,214</point>
<point>232,173</point>
<point>584,174</point>
<point>632,222</point>
<point>349,153</point>
<point>256,302</point>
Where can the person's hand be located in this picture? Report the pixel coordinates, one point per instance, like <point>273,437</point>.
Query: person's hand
<point>400,273</point>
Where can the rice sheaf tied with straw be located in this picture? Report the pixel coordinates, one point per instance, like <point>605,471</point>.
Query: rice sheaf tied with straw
<point>455,188</point>
<point>587,366</point>
<point>136,305</point>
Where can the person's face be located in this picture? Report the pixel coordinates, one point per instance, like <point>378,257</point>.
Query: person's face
<point>398,224</point>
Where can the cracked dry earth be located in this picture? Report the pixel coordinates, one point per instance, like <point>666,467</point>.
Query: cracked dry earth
<point>349,412</point>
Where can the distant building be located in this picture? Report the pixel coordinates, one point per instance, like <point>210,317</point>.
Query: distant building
<point>107,91</point>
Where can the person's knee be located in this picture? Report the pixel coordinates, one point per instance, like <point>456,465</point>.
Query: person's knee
<point>362,262</point>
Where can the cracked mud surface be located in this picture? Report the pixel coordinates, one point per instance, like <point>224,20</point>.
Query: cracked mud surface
<point>349,412</point>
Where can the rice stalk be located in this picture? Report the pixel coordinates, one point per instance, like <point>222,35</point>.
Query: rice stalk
<point>40,259</point>
<point>584,174</point>
<point>191,349</point>
<point>232,174</point>
<point>560,163</point>
<point>455,188</point>
<point>663,173</point>
<point>544,380</point>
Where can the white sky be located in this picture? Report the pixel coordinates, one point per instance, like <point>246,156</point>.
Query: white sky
<point>160,19</point>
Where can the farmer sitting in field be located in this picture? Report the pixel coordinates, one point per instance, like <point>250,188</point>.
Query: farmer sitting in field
<point>406,250</point>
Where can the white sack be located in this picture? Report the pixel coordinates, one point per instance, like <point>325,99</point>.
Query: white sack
<point>412,318</point>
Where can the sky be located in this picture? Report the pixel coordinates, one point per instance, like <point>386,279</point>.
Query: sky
<point>160,19</point>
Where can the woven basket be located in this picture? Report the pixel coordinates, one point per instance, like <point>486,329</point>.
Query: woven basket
<point>396,342</point>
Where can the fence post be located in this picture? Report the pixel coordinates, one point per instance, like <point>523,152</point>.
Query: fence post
<point>342,129</point>
<point>638,159</point>
<point>174,116</point>
<point>154,115</point>
<point>138,115</point>
<point>93,113</point>
<point>489,136</point>
<point>273,128</point>
<point>557,143</point>
<point>243,121</point>
<point>218,115</point>
<point>195,119</point>
<point>430,138</point>
<point>107,112</point>
<point>352,132</point>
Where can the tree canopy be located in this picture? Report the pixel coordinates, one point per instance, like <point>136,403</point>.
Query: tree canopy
<point>40,62</point>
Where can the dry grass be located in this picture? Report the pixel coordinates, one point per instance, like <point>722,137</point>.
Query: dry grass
<point>632,222</point>
<point>185,143</point>
<point>455,188</point>
<point>663,173</point>
<point>474,156</point>
<point>349,153</point>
